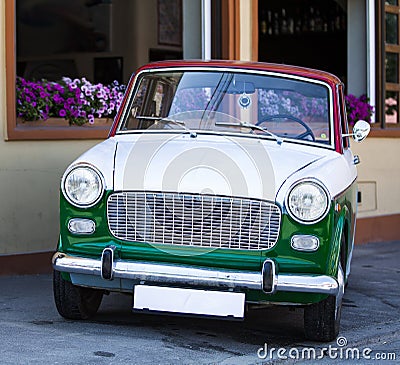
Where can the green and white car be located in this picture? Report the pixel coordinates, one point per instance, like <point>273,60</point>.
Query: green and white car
<point>222,185</point>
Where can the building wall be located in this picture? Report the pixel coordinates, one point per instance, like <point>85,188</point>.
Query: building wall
<point>29,180</point>
<point>378,176</point>
<point>356,48</point>
<point>192,41</point>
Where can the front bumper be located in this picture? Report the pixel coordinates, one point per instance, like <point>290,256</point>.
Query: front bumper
<point>266,280</point>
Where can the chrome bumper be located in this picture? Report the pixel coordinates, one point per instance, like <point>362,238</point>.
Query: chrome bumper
<point>196,276</point>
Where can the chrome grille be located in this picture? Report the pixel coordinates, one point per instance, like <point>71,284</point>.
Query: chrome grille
<point>193,220</point>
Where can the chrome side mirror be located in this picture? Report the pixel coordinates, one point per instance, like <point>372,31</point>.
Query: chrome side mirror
<point>360,131</point>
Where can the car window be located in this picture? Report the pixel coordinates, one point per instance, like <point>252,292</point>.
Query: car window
<point>291,108</point>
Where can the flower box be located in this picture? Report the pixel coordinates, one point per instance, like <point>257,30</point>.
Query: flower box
<point>99,123</point>
<point>59,129</point>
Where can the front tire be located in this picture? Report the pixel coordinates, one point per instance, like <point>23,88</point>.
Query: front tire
<point>74,302</point>
<point>322,319</point>
<point>320,323</point>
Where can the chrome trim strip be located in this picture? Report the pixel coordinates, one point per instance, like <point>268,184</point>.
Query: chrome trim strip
<point>322,284</point>
<point>197,276</point>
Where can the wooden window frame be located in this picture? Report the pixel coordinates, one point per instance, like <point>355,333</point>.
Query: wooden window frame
<point>29,130</point>
<point>381,129</point>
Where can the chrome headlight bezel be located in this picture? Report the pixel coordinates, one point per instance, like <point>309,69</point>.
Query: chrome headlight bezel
<point>324,194</point>
<point>99,181</point>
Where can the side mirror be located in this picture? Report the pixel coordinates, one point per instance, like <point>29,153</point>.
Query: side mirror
<point>360,131</point>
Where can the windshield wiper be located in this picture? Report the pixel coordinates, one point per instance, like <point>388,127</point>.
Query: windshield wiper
<point>278,139</point>
<point>169,120</point>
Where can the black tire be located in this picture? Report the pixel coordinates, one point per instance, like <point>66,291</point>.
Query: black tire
<point>322,319</point>
<point>320,322</point>
<point>74,302</point>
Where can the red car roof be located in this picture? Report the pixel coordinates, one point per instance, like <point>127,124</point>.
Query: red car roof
<point>260,66</point>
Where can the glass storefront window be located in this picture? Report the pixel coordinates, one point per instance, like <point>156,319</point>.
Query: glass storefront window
<point>392,25</point>
<point>389,33</point>
<point>391,107</point>
<point>392,67</point>
<point>61,38</point>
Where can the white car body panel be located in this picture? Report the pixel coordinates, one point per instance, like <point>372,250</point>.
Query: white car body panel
<point>102,157</point>
<point>215,164</point>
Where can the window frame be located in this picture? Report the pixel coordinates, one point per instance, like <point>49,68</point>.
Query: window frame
<point>381,128</point>
<point>29,131</point>
<point>343,118</point>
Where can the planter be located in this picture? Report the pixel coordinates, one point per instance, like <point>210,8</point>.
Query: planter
<point>104,123</point>
<point>59,128</point>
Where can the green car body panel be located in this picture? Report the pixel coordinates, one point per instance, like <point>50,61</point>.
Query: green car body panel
<point>287,260</point>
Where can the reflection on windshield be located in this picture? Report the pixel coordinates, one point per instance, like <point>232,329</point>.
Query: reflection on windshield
<point>226,101</point>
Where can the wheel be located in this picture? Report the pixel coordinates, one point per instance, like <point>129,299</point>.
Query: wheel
<point>74,302</point>
<point>322,319</point>
<point>308,131</point>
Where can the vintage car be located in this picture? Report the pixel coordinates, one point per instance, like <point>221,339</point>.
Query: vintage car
<point>222,185</point>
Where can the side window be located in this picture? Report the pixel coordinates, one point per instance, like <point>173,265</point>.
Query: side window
<point>152,102</point>
<point>343,118</point>
<point>138,105</point>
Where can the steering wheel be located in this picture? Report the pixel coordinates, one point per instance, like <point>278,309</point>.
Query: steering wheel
<point>308,131</point>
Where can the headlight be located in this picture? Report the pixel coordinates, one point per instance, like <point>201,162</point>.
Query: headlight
<point>307,202</point>
<point>82,186</point>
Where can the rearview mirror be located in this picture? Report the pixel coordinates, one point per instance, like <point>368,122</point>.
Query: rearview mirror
<point>241,87</point>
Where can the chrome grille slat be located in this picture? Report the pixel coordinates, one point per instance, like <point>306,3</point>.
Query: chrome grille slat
<point>193,219</point>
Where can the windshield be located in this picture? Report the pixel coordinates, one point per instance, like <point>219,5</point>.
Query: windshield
<point>231,102</point>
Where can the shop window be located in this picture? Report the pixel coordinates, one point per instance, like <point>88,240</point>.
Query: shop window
<point>308,33</point>
<point>389,33</point>
<point>75,33</point>
<point>51,40</point>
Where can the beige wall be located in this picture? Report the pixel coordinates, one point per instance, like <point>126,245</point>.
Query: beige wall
<point>29,179</point>
<point>378,176</point>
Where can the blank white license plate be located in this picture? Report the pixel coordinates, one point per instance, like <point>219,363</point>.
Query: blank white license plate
<point>188,301</point>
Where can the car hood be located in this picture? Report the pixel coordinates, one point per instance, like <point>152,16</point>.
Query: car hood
<point>208,164</point>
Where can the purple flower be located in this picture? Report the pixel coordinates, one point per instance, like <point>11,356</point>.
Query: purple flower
<point>358,108</point>
<point>58,99</point>
<point>72,100</point>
